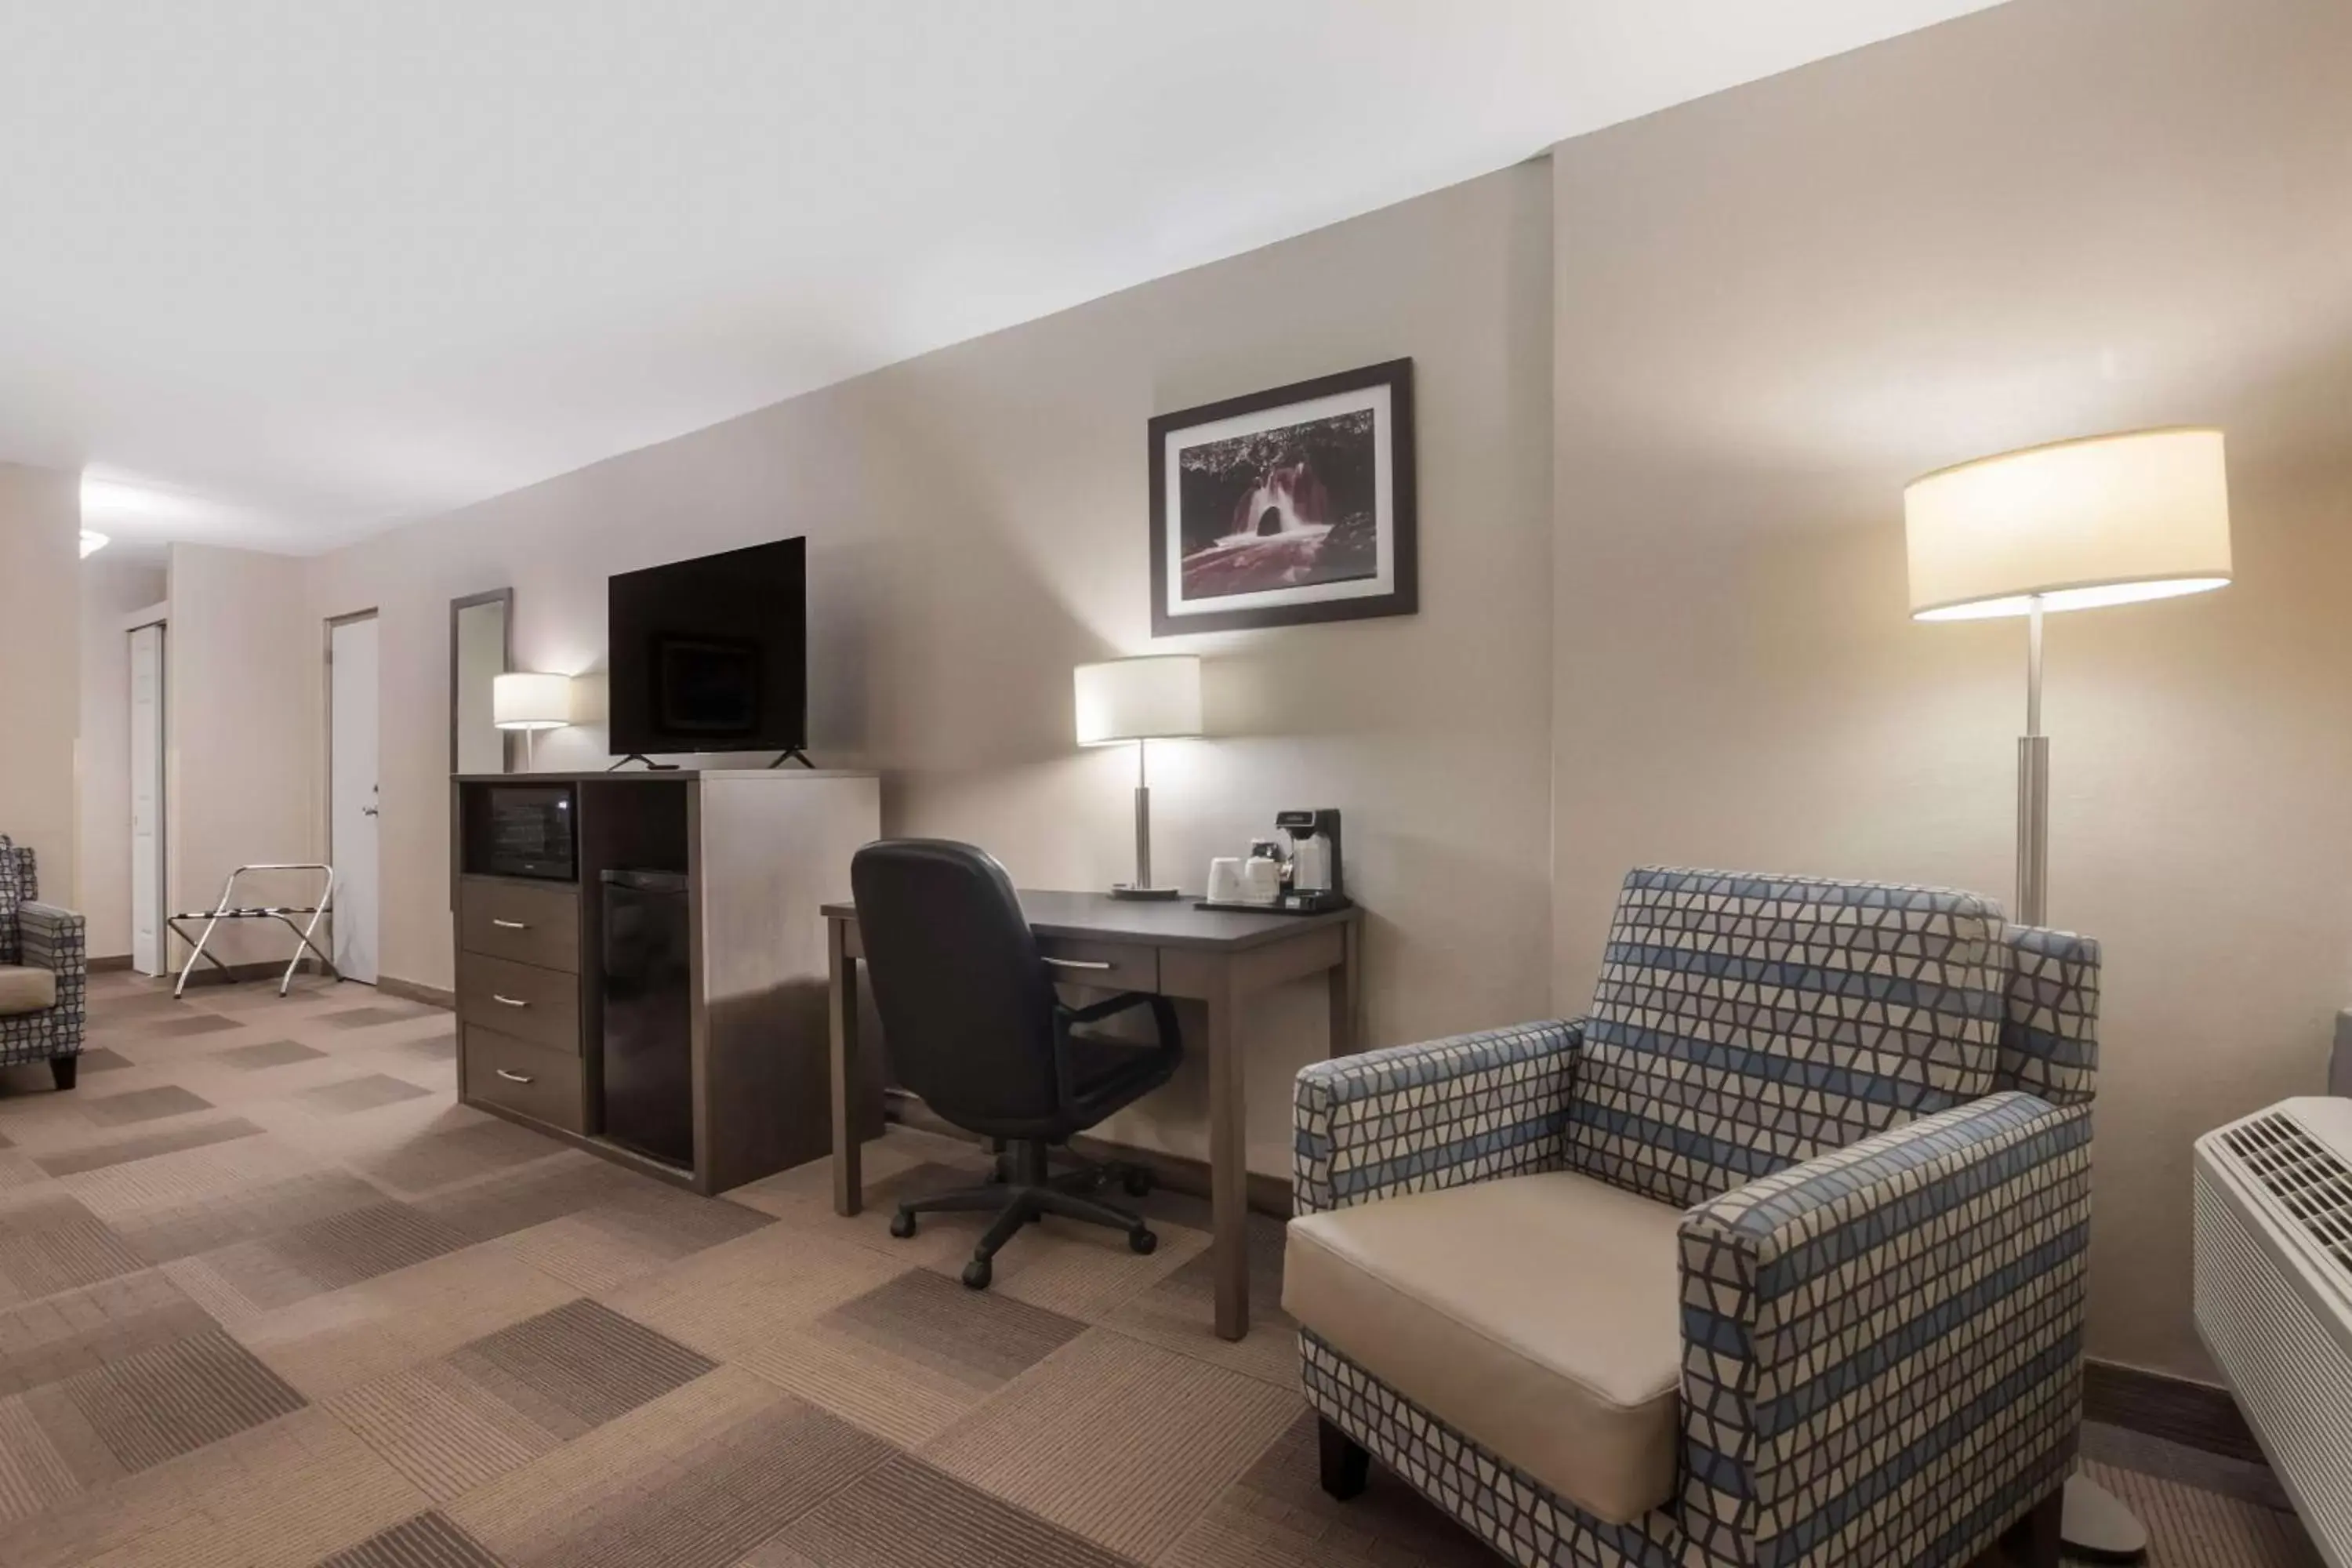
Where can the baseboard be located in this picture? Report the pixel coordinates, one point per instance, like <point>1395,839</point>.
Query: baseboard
<point>2197,1414</point>
<point>411,990</point>
<point>1177,1173</point>
<point>111,963</point>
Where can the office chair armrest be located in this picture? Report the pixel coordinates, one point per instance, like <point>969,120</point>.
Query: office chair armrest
<point>1110,1006</point>
<point>1897,1322</point>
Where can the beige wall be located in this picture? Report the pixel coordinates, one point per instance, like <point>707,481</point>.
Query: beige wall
<point>1778,305</point>
<point>976,522</point>
<point>40,533</point>
<point>112,587</point>
<point>244,669</point>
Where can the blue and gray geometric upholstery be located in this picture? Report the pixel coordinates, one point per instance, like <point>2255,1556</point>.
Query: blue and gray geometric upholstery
<point>40,936</point>
<point>1871,1103</point>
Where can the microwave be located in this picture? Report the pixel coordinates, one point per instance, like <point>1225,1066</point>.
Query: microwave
<point>530,832</point>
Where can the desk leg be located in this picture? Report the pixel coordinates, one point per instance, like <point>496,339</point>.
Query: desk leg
<point>1344,980</point>
<point>849,1179</point>
<point>1228,1163</point>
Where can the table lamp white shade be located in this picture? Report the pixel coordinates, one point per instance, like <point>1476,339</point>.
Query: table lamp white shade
<point>2108,520</point>
<point>1149,698</point>
<point>525,700</point>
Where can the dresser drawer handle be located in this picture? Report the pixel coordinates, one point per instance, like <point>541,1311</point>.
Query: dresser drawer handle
<point>515,1077</point>
<point>509,925</point>
<point>507,1001</point>
<point>1081,963</point>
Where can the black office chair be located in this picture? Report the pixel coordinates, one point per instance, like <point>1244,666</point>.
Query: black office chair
<point>974,1026</point>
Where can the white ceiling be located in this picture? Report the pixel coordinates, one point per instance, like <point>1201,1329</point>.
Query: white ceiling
<point>282,272</point>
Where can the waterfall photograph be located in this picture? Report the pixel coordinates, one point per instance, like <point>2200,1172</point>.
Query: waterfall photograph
<point>1280,508</point>
<point>1285,506</point>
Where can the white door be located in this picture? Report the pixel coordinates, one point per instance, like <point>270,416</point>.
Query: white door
<point>351,793</point>
<point>147,954</point>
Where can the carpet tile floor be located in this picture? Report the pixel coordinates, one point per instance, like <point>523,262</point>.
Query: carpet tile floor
<point>270,1295</point>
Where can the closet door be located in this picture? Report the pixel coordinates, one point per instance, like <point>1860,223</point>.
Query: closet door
<point>148,955</point>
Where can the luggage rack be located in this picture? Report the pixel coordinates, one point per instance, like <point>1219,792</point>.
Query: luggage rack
<point>227,909</point>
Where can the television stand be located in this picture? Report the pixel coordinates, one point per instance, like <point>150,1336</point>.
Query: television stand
<point>651,765</point>
<point>792,754</point>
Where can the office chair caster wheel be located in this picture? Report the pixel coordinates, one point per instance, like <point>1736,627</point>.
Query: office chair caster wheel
<point>902,1224</point>
<point>977,1274</point>
<point>1138,1183</point>
<point>1141,1240</point>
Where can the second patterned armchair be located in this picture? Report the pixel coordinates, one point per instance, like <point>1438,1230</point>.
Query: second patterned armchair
<point>44,972</point>
<point>1775,1258</point>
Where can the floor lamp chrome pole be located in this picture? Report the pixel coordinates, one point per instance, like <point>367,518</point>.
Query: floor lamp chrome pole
<point>2110,519</point>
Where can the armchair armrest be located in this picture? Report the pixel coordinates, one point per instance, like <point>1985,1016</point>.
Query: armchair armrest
<point>54,939</point>
<point>57,940</point>
<point>1883,1345</point>
<point>1443,1114</point>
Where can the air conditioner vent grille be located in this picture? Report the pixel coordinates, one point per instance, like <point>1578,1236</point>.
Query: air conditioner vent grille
<point>2310,1183</point>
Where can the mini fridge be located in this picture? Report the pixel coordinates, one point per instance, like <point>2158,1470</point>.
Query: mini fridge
<point>648,1050</point>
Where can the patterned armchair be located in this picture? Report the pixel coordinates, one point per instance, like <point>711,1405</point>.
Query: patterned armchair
<point>44,972</point>
<point>1775,1258</point>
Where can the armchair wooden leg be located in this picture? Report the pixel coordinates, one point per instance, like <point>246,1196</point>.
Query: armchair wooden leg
<point>2033,1542</point>
<point>1345,1465</point>
<point>62,1069</point>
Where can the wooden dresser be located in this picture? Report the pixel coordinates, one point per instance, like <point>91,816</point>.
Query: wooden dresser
<point>761,853</point>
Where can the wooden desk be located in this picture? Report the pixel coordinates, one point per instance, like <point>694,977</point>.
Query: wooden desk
<point>1213,956</point>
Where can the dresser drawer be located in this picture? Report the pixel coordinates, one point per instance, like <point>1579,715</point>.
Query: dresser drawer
<point>520,923</point>
<point>1111,965</point>
<point>540,1006</point>
<point>541,1084</point>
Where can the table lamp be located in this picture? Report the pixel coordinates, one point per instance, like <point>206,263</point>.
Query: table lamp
<point>2109,520</point>
<point>530,702</point>
<point>1143,701</point>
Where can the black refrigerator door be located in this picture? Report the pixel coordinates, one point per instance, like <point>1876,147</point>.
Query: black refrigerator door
<point>648,1070</point>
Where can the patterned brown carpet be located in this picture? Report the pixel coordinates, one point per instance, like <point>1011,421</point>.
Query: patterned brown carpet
<point>268,1296</point>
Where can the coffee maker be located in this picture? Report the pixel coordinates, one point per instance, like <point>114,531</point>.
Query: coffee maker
<point>1313,882</point>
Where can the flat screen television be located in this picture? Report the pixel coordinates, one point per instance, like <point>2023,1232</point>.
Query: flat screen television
<point>711,655</point>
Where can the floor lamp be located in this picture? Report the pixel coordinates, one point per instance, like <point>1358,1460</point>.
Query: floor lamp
<point>2110,519</point>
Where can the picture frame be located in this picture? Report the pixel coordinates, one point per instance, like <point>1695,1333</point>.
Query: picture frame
<point>1289,507</point>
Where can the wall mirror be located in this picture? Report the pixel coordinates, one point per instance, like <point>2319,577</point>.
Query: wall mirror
<point>481,648</point>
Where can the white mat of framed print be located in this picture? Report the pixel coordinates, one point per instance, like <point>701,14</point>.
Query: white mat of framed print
<point>1286,506</point>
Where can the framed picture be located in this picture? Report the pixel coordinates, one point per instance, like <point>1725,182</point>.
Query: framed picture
<point>1286,506</point>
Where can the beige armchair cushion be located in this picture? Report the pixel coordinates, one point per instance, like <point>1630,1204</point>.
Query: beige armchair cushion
<point>26,990</point>
<point>1539,1316</point>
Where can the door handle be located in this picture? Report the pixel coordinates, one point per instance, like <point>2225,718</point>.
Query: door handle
<point>368,811</point>
<point>514,1077</point>
<point>507,1001</point>
<point>509,925</point>
<point>1081,963</point>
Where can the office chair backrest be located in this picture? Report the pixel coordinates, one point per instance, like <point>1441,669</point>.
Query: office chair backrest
<point>967,1007</point>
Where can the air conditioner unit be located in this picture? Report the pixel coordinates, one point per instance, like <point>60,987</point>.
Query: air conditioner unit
<point>2274,1296</point>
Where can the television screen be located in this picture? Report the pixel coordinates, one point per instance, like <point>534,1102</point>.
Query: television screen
<point>711,655</point>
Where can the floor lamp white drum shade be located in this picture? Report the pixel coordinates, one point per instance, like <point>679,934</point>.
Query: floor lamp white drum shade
<point>2105,521</point>
<point>1143,701</point>
<point>1149,698</point>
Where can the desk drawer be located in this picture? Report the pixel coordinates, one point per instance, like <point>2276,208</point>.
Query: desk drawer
<point>1111,966</point>
<point>534,1005</point>
<point>523,923</point>
<point>543,1085</point>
